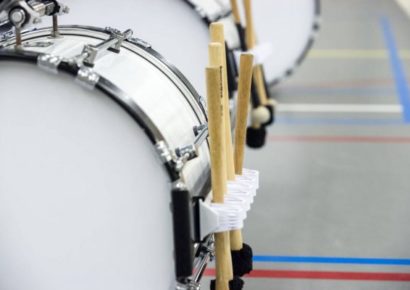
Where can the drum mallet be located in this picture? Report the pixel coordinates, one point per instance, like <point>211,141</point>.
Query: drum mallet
<point>223,261</point>
<point>259,74</point>
<point>242,254</point>
<point>260,114</point>
<point>218,58</point>
<point>256,135</point>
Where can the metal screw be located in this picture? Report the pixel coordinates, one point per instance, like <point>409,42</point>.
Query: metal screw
<point>17,17</point>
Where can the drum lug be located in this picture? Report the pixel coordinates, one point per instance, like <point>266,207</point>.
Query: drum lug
<point>164,152</point>
<point>87,77</point>
<point>49,62</point>
<point>189,152</point>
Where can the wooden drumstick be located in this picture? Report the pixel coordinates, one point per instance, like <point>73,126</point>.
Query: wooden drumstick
<point>216,51</point>
<point>217,146</point>
<point>244,93</point>
<point>251,43</point>
<point>235,12</point>
<point>242,110</point>
<point>218,36</point>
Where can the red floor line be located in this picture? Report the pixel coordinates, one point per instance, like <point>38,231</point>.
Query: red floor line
<point>341,139</point>
<point>324,275</point>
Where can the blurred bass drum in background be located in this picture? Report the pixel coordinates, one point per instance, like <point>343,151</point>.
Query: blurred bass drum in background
<point>291,27</point>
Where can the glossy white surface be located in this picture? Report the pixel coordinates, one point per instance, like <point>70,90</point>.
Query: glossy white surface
<point>84,200</point>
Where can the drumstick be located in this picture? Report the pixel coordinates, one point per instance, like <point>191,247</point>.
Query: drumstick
<point>251,43</point>
<point>235,12</point>
<point>244,93</point>
<point>215,51</point>
<point>218,36</point>
<point>217,146</point>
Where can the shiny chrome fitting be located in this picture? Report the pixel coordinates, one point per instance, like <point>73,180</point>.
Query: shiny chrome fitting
<point>87,77</point>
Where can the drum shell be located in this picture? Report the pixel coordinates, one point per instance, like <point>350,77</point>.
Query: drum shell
<point>152,72</point>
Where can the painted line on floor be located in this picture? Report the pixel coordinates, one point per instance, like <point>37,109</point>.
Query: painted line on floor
<point>397,68</point>
<point>348,91</point>
<point>324,275</point>
<point>332,260</point>
<point>355,54</point>
<point>340,139</point>
<point>339,108</point>
<point>373,82</point>
<point>337,122</point>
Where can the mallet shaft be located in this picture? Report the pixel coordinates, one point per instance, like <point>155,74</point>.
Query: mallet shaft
<point>244,92</point>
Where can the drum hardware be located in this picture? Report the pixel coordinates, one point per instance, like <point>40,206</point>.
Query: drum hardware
<point>198,129</point>
<point>87,77</point>
<point>205,254</point>
<point>113,43</point>
<point>139,42</point>
<point>189,152</point>
<point>24,14</point>
<point>37,44</point>
<point>49,62</point>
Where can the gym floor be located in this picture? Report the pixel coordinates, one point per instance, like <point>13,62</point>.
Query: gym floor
<point>333,210</point>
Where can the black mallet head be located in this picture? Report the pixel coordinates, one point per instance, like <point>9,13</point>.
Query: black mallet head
<point>235,284</point>
<point>256,137</point>
<point>242,261</point>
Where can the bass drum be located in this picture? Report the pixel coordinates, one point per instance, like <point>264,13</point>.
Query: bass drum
<point>290,26</point>
<point>170,26</point>
<point>87,169</point>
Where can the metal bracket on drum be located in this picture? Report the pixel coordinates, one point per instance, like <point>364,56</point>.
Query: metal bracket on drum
<point>90,52</point>
<point>205,255</point>
<point>182,155</point>
<point>190,152</point>
<point>49,62</point>
<point>22,14</point>
<point>87,77</point>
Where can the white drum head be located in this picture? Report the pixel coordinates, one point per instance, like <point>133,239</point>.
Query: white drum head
<point>84,199</point>
<point>290,26</point>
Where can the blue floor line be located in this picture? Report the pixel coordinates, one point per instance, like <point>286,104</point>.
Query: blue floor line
<point>397,67</point>
<point>332,260</point>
